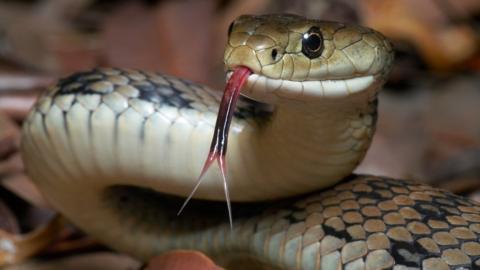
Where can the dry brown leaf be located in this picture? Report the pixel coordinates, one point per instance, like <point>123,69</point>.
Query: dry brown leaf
<point>17,106</point>
<point>442,44</point>
<point>40,35</point>
<point>9,144</point>
<point>16,248</point>
<point>173,37</point>
<point>22,82</point>
<point>182,260</point>
<point>23,187</point>
<point>8,222</point>
<point>91,261</point>
<point>18,92</point>
<point>12,175</point>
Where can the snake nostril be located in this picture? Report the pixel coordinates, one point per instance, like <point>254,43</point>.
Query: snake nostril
<point>230,28</point>
<point>274,54</point>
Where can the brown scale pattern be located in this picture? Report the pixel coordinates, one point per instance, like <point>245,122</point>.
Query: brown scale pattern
<point>370,222</point>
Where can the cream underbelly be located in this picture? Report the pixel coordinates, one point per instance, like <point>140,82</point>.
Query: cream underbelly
<point>165,150</point>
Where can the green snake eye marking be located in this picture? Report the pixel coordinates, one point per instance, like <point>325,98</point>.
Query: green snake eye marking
<point>312,43</point>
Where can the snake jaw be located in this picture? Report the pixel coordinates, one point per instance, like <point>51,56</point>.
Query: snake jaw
<point>287,92</point>
<point>269,90</point>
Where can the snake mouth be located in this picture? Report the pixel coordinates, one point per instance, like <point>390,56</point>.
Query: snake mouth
<point>263,86</point>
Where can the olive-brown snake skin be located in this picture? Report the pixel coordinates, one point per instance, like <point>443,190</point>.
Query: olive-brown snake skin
<point>107,146</point>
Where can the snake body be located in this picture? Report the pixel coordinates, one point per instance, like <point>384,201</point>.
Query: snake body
<point>114,150</point>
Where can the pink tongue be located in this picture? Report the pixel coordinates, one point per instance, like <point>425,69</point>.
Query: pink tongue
<point>218,147</point>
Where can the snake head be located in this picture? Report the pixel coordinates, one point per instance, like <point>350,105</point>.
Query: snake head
<point>294,58</point>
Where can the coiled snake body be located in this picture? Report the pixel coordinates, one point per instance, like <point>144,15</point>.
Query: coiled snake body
<point>108,145</point>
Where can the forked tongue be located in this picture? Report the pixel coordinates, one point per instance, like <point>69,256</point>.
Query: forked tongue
<point>218,147</point>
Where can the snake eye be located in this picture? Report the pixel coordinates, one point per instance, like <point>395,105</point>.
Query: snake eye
<point>312,43</point>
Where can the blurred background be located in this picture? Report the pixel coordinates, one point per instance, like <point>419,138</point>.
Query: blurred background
<point>429,124</point>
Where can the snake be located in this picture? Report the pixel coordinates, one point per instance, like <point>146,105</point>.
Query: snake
<point>116,151</point>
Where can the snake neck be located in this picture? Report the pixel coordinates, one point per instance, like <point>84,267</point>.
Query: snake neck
<point>325,142</point>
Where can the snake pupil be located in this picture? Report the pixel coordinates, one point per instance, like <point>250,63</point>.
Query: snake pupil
<point>312,43</point>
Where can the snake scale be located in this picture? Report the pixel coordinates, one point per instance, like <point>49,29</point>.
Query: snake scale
<point>115,150</point>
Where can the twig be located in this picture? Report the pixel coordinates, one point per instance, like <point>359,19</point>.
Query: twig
<point>16,248</point>
<point>9,82</point>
